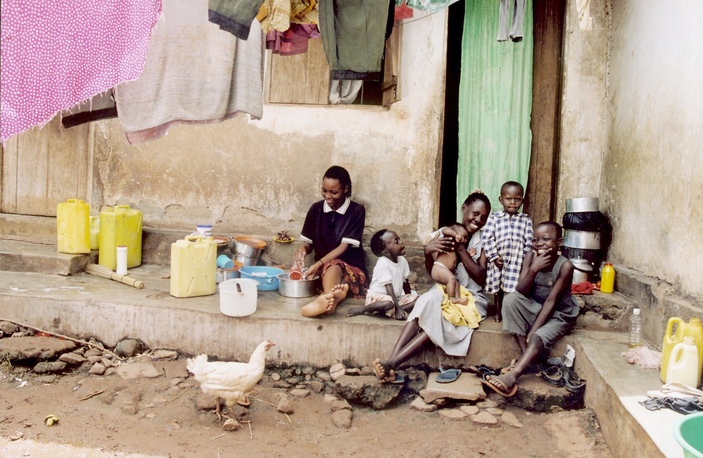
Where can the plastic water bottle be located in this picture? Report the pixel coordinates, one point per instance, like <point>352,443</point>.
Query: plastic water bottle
<point>635,329</point>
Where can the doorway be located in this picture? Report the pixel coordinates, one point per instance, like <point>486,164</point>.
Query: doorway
<point>549,18</point>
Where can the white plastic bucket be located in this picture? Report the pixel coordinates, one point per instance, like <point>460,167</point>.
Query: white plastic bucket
<point>236,303</point>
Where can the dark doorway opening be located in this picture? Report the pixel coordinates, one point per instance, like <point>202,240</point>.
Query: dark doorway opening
<point>450,147</point>
<point>548,19</point>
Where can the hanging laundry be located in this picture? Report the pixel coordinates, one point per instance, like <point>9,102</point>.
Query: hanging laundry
<point>57,54</point>
<point>280,14</point>
<point>402,10</point>
<point>505,31</point>
<point>293,41</point>
<point>344,92</point>
<point>583,9</point>
<point>194,73</point>
<point>430,6</point>
<point>234,16</point>
<point>354,33</point>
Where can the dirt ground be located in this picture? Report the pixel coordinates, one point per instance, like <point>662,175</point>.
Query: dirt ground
<point>108,416</point>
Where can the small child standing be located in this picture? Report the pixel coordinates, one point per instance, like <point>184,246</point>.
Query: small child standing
<point>444,268</point>
<point>389,292</point>
<point>507,238</point>
<point>541,310</point>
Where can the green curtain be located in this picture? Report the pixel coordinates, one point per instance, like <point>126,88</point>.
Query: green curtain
<point>495,101</point>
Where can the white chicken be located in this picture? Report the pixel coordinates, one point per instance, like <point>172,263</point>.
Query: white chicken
<point>231,381</point>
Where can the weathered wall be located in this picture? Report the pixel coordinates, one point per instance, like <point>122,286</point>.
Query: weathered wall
<point>631,132</point>
<point>259,177</point>
<point>653,173</point>
<point>583,107</point>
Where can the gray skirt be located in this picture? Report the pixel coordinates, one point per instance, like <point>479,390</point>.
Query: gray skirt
<point>520,313</point>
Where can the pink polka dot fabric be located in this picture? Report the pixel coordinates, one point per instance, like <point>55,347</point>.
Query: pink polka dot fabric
<point>57,54</point>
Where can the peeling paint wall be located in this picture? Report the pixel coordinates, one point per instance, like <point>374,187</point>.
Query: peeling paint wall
<point>631,131</point>
<point>260,176</point>
<point>653,172</point>
<point>583,108</point>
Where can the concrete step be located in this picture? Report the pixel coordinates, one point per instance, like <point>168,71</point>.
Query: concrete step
<point>85,306</point>
<point>614,389</point>
<point>19,256</point>
<point>34,229</point>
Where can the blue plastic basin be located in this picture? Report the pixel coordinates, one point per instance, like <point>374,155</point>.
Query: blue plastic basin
<point>267,277</point>
<point>689,434</point>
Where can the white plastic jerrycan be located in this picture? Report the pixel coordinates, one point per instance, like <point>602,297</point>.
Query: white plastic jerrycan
<point>683,363</point>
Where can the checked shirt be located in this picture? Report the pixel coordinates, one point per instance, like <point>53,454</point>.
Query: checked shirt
<point>511,239</point>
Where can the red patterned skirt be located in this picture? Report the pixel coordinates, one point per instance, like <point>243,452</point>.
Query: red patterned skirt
<point>353,276</point>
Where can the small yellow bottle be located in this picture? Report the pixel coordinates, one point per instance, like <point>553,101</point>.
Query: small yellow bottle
<point>607,278</point>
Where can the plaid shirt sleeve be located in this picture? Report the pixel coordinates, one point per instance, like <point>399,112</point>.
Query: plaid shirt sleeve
<point>529,234</point>
<point>489,238</point>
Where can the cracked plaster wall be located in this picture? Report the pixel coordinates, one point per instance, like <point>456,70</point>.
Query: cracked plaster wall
<point>258,177</point>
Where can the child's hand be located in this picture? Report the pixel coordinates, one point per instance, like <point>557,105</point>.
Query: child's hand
<point>460,238</point>
<point>498,262</point>
<point>541,260</point>
<point>472,252</point>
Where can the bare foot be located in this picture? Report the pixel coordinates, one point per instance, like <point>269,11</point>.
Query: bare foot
<point>354,311</point>
<point>460,300</point>
<point>383,374</point>
<point>338,292</point>
<point>318,306</point>
<point>497,318</point>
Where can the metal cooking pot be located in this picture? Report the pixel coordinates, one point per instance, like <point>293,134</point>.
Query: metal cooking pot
<point>249,246</point>
<point>245,260</point>
<point>582,204</point>
<point>295,288</point>
<point>582,239</point>
<point>582,270</point>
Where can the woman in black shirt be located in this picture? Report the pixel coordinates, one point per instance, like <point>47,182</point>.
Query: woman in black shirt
<point>333,229</point>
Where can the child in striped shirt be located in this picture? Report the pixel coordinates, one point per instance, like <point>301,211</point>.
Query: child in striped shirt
<point>507,238</point>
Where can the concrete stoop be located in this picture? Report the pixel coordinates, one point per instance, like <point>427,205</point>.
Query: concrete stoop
<point>615,388</point>
<point>21,256</point>
<point>83,306</point>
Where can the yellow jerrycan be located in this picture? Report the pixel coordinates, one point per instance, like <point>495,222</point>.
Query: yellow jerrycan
<point>73,227</point>
<point>193,266</point>
<point>120,226</point>
<point>694,329</point>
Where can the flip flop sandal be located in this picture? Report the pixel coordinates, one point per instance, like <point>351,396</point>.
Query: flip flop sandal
<point>482,370</point>
<point>398,380</point>
<point>554,376</point>
<point>486,381</point>
<point>447,375</point>
<point>573,383</point>
<point>510,366</point>
<point>554,361</point>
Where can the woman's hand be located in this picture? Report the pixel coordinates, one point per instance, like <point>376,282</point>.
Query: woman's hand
<point>299,257</point>
<point>312,270</point>
<point>442,244</point>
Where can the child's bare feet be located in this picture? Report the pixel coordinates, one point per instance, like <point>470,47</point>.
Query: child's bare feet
<point>354,311</point>
<point>400,314</point>
<point>383,373</point>
<point>498,318</point>
<point>460,300</point>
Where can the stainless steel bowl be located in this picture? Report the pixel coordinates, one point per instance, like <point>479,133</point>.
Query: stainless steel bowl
<point>245,260</point>
<point>249,246</point>
<point>582,239</point>
<point>582,204</point>
<point>295,288</point>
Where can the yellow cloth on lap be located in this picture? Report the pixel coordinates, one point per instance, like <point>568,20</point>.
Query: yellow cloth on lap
<point>460,314</point>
